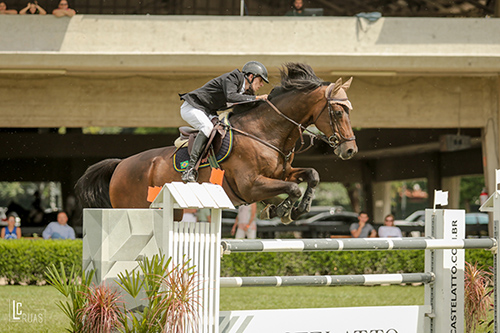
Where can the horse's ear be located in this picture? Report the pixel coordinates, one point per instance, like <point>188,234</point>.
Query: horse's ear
<point>346,85</point>
<point>333,88</point>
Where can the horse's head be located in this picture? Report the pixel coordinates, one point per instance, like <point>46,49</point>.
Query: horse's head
<point>333,120</point>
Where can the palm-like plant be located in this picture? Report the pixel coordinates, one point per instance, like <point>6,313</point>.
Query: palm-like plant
<point>171,293</point>
<point>102,310</point>
<point>177,301</point>
<point>73,286</point>
<point>477,296</point>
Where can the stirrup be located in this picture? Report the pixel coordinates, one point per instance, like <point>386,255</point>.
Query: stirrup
<point>189,176</point>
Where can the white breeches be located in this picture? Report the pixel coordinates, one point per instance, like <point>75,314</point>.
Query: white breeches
<point>196,118</point>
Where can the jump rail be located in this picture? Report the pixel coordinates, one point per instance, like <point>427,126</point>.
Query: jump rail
<point>353,244</point>
<point>326,280</point>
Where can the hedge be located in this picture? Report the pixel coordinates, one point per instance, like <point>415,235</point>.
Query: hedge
<point>24,261</point>
<point>335,263</point>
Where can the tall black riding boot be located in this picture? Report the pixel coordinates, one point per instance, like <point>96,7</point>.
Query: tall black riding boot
<point>190,175</point>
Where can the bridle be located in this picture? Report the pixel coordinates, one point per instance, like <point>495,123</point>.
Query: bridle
<point>337,138</point>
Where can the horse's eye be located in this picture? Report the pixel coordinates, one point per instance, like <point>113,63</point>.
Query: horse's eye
<point>339,113</point>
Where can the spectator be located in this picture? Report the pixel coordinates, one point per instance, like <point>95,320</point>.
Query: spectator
<point>32,8</point>
<point>388,229</point>
<point>204,215</point>
<point>59,229</point>
<point>63,10</point>
<point>245,221</point>
<point>362,229</point>
<point>4,10</point>
<point>297,9</point>
<point>189,215</point>
<point>11,231</point>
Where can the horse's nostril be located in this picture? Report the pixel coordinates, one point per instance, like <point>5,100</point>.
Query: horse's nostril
<point>350,152</point>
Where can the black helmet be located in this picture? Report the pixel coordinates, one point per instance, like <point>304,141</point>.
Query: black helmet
<point>257,69</point>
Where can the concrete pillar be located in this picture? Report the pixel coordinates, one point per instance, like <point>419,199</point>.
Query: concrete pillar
<point>381,200</point>
<point>490,138</point>
<point>452,185</point>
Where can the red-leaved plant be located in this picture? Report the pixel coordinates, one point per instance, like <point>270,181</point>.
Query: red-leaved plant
<point>102,310</point>
<point>477,296</point>
<point>178,300</point>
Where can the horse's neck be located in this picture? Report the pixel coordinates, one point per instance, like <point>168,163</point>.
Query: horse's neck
<point>267,124</point>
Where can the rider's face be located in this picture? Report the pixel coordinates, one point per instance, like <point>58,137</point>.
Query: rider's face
<point>257,83</point>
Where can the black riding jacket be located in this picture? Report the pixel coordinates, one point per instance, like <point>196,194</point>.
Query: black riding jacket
<point>216,93</point>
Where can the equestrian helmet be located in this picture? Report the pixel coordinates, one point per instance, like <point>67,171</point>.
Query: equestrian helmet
<point>257,69</point>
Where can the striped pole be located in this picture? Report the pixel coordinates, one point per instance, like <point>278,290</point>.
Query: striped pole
<point>325,280</point>
<point>353,244</point>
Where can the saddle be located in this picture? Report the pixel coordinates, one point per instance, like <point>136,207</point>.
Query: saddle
<point>219,144</point>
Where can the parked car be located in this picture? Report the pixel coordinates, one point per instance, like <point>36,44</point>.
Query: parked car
<point>326,224</point>
<point>413,225</point>
<point>476,224</point>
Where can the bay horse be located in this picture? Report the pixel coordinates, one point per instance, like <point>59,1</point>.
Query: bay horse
<point>259,166</point>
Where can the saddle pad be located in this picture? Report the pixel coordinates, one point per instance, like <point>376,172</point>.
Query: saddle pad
<point>181,157</point>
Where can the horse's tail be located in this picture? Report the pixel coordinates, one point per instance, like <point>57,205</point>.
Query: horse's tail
<point>92,188</point>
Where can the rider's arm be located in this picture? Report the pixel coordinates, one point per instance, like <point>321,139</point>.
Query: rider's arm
<point>230,87</point>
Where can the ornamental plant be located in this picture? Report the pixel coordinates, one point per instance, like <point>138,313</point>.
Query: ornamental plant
<point>477,296</point>
<point>171,294</point>
<point>74,287</point>
<point>102,310</point>
<point>171,302</point>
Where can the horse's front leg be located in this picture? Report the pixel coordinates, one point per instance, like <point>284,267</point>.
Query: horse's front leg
<point>311,177</point>
<point>264,187</point>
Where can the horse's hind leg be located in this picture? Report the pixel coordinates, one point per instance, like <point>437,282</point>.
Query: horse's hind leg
<point>299,175</point>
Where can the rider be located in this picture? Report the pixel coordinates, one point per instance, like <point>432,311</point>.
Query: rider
<point>202,104</point>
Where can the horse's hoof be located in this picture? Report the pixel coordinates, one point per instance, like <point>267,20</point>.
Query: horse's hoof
<point>286,219</point>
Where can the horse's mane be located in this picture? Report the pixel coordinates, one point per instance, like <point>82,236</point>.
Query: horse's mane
<point>294,77</point>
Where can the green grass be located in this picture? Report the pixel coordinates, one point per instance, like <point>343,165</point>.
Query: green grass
<point>42,299</point>
<point>35,300</point>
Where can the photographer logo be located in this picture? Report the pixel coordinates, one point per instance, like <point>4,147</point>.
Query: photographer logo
<point>20,314</point>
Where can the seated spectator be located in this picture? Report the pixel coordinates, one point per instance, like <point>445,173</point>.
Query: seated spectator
<point>362,229</point>
<point>32,8</point>
<point>297,9</point>
<point>63,10</point>
<point>11,231</point>
<point>4,10</point>
<point>388,229</point>
<point>59,229</point>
